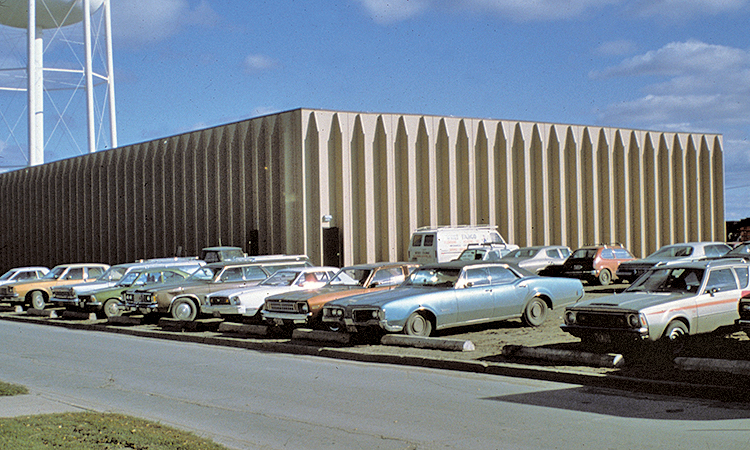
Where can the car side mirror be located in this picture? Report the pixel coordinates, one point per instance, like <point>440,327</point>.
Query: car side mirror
<point>469,284</point>
<point>712,291</point>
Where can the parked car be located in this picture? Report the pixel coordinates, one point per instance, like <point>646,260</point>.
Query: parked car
<point>302,308</point>
<point>183,300</point>
<point>249,301</point>
<point>217,254</point>
<point>107,301</point>
<point>668,302</point>
<point>440,244</point>
<point>630,270</point>
<point>443,295</point>
<point>70,296</point>
<point>23,274</point>
<point>595,263</point>
<point>484,252</point>
<point>741,250</point>
<point>534,259</point>
<point>36,293</point>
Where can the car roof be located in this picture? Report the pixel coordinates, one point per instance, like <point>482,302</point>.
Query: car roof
<point>369,266</point>
<point>257,260</point>
<point>705,263</point>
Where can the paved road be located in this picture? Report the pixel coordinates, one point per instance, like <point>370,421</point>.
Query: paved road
<point>247,399</point>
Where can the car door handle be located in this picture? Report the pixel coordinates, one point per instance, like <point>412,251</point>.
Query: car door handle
<point>523,285</point>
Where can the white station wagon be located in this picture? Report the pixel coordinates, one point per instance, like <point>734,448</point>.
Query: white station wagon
<point>668,302</point>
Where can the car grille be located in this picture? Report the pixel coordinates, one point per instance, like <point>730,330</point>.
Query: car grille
<point>281,306</point>
<point>364,315</point>
<point>137,298</point>
<point>85,298</point>
<point>599,320</point>
<point>6,290</point>
<point>66,294</point>
<point>220,300</point>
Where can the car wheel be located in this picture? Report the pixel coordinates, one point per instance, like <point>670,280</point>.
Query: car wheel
<point>37,300</point>
<point>184,309</point>
<point>111,308</point>
<point>535,312</point>
<point>674,336</point>
<point>605,277</point>
<point>418,325</point>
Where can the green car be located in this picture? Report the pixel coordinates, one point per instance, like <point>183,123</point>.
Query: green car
<point>107,301</point>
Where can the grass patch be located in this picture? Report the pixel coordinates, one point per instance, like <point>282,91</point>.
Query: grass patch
<point>7,389</point>
<point>95,431</point>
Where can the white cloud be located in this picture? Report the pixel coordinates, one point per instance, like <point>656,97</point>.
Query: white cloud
<point>258,62</point>
<point>388,11</point>
<point>138,22</point>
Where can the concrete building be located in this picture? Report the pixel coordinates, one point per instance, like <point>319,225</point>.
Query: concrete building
<point>346,187</point>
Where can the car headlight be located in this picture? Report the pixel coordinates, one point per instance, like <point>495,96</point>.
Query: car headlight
<point>570,317</point>
<point>745,306</point>
<point>234,300</point>
<point>634,321</point>
<point>303,308</point>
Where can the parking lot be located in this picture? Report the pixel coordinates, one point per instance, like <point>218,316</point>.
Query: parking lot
<point>642,368</point>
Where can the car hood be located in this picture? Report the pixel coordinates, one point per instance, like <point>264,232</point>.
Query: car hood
<point>632,300</point>
<point>88,288</point>
<point>310,293</point>
<point>381,298</point>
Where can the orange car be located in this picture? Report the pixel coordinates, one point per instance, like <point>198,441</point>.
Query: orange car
<point>302,308</point>
<point>595,263</point>
<point>37,292</point>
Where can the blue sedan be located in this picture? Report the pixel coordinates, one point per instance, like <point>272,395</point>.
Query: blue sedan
<point>455,293</point>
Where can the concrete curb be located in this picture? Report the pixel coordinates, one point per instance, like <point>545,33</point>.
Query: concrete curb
<point>453,345</point>
<point>568,356</point>
<point>714,365</point>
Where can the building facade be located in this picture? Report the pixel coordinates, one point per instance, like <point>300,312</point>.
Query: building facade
<point>350,187</point>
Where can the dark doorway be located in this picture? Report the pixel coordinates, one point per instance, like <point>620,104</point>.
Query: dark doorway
<point>332,251</point>
<point>252,243</point>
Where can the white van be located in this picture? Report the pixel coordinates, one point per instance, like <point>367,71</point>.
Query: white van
<point>441,244</point>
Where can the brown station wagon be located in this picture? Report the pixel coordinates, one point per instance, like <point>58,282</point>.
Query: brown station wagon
<point>303,308</point>
<point>37,292</point>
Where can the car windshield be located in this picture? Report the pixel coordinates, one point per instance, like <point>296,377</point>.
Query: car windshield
<point>678,279</point>
<point>7,275</point>
<point>472,254</point>
<point>741,251</point>
<point>351,277</point>
<point>583,253</point>
<point>281,278</point>
<point>434,277</point>
<point>205,274</point>
<point>673,251</point>
<point>522,253</point>
<point>128,279</point>
<point>55,273</point>
<point>113,274</point>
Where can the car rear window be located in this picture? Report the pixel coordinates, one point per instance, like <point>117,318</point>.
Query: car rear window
<point>429,240</point>
<point>416,240</point>
<point>621,253</point>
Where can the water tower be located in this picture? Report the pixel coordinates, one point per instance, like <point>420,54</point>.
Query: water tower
<point>54,17</point>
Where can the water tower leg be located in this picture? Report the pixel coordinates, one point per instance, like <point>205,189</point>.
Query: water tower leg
<point>35,70</point>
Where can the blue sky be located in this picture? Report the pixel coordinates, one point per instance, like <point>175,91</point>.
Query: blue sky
<point>681,65</point>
